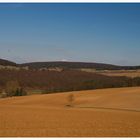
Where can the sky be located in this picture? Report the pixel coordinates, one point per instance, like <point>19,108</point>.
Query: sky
<point>83,32</point>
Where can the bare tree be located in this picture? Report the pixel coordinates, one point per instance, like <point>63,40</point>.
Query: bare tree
<point>70,99</point>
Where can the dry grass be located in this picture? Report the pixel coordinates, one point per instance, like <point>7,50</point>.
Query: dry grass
<point>127,73</point>
<point>106,112</point>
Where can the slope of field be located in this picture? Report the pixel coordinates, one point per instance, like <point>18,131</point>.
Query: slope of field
<point>127,73</point>
<point>66,80</point>
<point>106,112</point>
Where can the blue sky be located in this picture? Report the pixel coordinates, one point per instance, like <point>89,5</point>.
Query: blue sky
<point>107,33</point>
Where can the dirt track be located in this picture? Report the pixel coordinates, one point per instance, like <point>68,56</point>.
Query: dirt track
<point>106,112</point>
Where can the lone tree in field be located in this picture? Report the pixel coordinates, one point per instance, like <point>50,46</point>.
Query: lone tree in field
<point>70,100</point>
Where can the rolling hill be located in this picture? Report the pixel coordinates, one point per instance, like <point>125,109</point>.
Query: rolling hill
<point>78,65</point>
<point>4,62</point>
<point>96,113</point>
<point>68,65</point>
<point>68,79</point>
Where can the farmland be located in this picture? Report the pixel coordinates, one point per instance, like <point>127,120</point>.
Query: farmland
<point>127,73</point>
<point>102,112</point>
<point>69,69</point>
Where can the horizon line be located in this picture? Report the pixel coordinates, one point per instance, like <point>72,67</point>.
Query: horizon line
<point>67,61</point>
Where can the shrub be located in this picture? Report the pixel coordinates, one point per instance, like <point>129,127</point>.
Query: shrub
<point>13,89</point>
<point>3,94</point>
